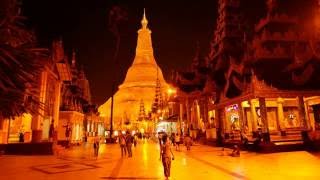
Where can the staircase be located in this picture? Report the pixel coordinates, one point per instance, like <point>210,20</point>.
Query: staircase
<point>291,137</point>
<point>292,140</point>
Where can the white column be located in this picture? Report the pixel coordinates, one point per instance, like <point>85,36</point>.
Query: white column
<point>302,111</point>
<point>263,114</point>
<point>57,100</point>
<point>307,116</point>
<point>188,114</point>
<point>253,114</point>
<point>38,119</point>
<point>181,117</point>
<point>281,114</point>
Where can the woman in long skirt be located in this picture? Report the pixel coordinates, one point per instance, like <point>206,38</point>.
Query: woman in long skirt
<point>167,155</point>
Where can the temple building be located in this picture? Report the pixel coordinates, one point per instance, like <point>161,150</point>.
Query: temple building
<point>271,91</point>
<point>143,79</point>
<point>195,90</point>
<point>261,84</point>
<point>64,101</point>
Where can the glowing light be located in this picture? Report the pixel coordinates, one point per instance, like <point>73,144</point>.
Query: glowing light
<point>102,115</point>
<point>171,91</point>
<point>123,132</point>
<point>232,107</point>
<point>115,133</point>
<point>142,130</point>
<point>133,132</point>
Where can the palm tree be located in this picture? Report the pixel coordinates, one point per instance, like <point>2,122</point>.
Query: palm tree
<point>20,62</point>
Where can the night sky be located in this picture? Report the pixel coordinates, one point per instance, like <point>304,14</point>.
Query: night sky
<point>176,27</point>
<point>83,25</point>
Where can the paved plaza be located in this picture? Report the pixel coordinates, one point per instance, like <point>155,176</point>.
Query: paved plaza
<point>201,163</point>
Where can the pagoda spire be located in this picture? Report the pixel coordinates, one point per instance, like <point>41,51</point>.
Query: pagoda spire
<point>157,102</point>
<point>144,21</point>
<point>142,112</point>
<point>144,44</point>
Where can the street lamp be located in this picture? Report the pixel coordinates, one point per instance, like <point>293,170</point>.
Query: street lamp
<point>171,91</point>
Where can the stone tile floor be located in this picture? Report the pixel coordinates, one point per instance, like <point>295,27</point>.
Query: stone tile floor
<point>201,163</point>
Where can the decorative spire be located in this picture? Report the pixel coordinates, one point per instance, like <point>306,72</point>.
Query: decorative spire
<point>158,102</point>
<point>144,44</point>
<point>144,21</point>
<point>142,112</point>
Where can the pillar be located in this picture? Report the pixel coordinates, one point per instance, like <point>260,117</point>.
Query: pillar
<point>254,116</point>
<point>56,108</point>
<point>180,116</point>
<point>219,126</point>
<point>249,121</point>
<point>188,115</point>
<point>38,119</point>
<point>205,109</point>
<point>5,130</point>
<point>264,119</point>
<point>197,114</point>
<point>242,119</point>
<point>307,116</point>
<point>281,115</point>
<point>302,112</point>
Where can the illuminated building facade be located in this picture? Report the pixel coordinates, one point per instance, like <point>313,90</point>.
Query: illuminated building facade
<point>64,100</point>
<point>259,80</point>
<point>266,83</point>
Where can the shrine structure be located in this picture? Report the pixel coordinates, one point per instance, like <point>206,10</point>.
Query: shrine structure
<point>136,95</point>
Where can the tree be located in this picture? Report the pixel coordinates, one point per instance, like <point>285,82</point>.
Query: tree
<point>20,62</point>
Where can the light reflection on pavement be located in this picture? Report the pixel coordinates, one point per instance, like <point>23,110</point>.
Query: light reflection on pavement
<point>201,163</point>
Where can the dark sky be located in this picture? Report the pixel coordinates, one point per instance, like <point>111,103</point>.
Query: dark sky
<point>176,27</point>
<point>83,25</point>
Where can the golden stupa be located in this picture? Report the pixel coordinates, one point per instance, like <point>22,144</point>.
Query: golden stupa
<point>138,86</point>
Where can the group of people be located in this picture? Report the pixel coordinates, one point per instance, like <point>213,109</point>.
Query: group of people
<point>176,140</point>
<point>126,141</point>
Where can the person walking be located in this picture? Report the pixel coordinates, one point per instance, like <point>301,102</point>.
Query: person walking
<point>129,140</point>
<point>177,141</point>
<point>96,145</point>
<point>51,131</point>
<point>135,140</point>
<point>122,142</point>
<point>160,144</point>
<point>167,155</point>
<point>172,138</point>
<point>188,142</point>
<point>68,135</point>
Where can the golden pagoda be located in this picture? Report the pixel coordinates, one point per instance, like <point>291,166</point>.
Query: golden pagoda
<point>139,84</point>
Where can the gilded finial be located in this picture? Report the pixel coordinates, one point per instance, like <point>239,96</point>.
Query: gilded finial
<point>144,21</point>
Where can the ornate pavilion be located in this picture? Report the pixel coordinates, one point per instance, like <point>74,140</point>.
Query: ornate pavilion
<point>262,73</point>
